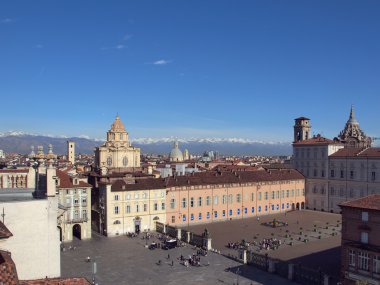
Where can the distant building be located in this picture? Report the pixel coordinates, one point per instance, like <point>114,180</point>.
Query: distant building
<point>2,154</point>
<point>71,152</point>
<point>176,154</point>
<point>16,178</point>
<point>336,170</point>
<point>361,241</point>
<point>117,152</point>
<point>186,155</point>
<point>74,198</point>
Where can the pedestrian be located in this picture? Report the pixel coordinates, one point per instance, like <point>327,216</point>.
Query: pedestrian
<point>168,256</point>
<point>172,263</point>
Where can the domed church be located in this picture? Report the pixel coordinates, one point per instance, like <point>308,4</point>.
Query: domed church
<point>176,153</point>
<point>117,151</point>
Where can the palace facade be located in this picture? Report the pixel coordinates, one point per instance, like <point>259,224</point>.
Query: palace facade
<point>203,197</point>
<point>336,170</point>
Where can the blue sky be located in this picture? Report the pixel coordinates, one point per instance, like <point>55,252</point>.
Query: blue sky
<point>189,68</point>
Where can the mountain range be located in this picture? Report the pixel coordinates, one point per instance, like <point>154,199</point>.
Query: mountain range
<point>21,142</point>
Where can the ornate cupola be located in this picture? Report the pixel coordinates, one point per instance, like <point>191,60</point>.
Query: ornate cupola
<point>117,133</point>
<point>352,136</point>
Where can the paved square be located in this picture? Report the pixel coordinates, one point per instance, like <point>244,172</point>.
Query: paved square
<point>123,260</point>
<point>321,251</point>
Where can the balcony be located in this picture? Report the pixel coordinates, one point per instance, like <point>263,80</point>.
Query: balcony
<point>77,220</point>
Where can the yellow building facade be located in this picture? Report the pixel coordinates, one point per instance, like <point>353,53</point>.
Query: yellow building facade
<point>131,208</point>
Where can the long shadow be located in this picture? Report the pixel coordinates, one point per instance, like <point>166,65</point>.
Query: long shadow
<point>327,260</point>
<point>254,274</point>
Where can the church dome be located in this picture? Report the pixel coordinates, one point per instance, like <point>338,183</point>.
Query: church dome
<point>176,153</point>
<point>117,125</point>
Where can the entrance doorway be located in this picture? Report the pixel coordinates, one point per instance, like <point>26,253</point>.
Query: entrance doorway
<point>77,231</point>
<point>303,205</point>
<point>137,225</point>
<point>298,206</point>
<point>293,207</point>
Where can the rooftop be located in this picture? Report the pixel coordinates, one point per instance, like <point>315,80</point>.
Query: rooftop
<point>4,232</point>
<point>371,202</point>
<point>357,152</point>
<point>209,178</point>
<point>316,140</point>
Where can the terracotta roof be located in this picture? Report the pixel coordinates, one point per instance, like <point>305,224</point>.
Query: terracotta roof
<point>357,152</point>
<point>371,202</point>
<point>316,140</point>
<point>8,272</point>
<point>235,168</point>
<point>65,181</point>
<point>208,178</point>
<point>57,281</point>
<point>4,232</point>
<point>14,170</point>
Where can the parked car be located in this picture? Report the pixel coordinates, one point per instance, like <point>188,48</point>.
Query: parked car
<point>169,244</point>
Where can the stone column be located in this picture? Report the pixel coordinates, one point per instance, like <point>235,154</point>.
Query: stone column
<point>291,271</point>
<point>179,234</point>
<point>244,257</point>
<point>271,265</point>
<point>325,279</point>
<point>188,237</point>
<point>164,228</point>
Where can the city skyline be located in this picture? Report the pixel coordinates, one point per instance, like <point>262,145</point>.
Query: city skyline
<point>245,70</point>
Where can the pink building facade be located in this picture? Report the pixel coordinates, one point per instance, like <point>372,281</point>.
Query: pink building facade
<point>222,196</point>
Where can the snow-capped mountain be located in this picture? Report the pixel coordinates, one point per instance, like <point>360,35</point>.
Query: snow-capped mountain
<point>20,142</point>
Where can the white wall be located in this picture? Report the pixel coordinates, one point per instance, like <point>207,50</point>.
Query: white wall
<point>35,243</point>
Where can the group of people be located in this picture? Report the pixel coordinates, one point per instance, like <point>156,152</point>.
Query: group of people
<point>270,243</point>
<point>193,260</point>
<point>236,245</point>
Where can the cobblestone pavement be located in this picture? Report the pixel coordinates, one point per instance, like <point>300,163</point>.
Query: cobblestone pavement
<point>123,260</point>
<point>319,252</point>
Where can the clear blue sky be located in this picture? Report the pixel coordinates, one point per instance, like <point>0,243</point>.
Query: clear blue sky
<point>189,68</point>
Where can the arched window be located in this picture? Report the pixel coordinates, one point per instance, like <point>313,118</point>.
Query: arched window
<point>121,137</point>
<point>117,222</point>
<point>125,161</point>
<point>109,160</point>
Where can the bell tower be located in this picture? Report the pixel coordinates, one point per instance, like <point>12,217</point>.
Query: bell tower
<point>302,129</point>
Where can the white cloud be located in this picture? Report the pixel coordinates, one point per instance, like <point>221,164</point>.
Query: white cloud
<point>161,62</point>
<point>7,21</point>
<point>119,47</point>
<point>127,37</point>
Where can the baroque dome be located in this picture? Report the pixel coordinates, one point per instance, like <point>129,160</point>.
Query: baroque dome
<point>117,125</point>
<point>176,153</point>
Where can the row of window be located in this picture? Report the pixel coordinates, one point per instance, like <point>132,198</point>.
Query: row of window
<point>230,198</point>
<point>301,153</point>
<point>76,214</point>
<point>137,196</point>
<point>363,260</point>
<point>351,175</point>
<point>76,191</point>
<point>138,208</point>
<point>238,212</point>
<point>76,201</point>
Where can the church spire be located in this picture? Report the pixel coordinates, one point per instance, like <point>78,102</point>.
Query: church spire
<point>352,120</point>
<point>352,113</point>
